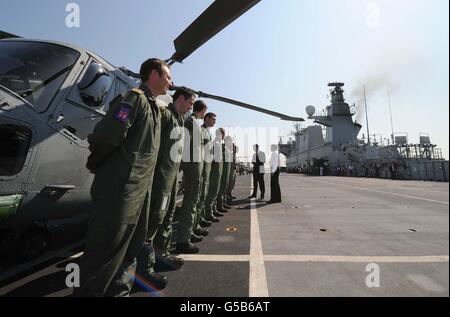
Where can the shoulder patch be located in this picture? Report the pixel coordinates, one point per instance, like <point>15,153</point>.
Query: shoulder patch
<point>123,112</point>
<point>137,90</point>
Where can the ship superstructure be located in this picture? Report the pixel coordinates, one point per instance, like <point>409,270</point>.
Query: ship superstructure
<point>331,147</point>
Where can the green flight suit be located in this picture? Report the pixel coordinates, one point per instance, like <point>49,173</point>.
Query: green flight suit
<point>214,179</point>
<point>192,167</point>
<point>124,148</point>
<point>207,161</point>
<point>233,172</point>
<point>164,190</point>
<point>225,179</point>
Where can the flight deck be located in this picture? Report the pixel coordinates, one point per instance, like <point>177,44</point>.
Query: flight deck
<point>331,236</point>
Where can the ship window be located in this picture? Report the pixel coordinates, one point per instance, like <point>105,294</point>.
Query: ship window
<point>14,145</point>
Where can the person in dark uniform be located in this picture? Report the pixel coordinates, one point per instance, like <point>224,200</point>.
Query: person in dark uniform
<point>275,192</point>
<point>393,171</point>
<point>124,148</point>
<point>258,160</point>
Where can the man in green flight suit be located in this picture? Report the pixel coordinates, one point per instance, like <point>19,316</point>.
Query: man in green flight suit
<point>233,173</point>
<point>164,190</point>
<point>200,221</point>
<point>227,156</point>
<point>214,178</point>
<point>124,148</point>
<point>192,166</point>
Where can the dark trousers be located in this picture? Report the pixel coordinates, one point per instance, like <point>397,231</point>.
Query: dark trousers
<point>275,192</point>
<point>258,179</point>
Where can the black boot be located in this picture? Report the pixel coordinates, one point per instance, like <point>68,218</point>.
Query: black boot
<point>168,263</point>
<point>186,248</point>
<point>205,223</point>
<point>195,238</point>
<point>156,280</point>
<point>201,232</point>
<point>212,218</point>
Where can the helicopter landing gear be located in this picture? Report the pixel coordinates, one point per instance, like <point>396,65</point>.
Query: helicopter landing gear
<point>31,244</point>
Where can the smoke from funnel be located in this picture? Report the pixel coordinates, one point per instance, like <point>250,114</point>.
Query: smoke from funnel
<point>374,84</point>
<point>383,75</point>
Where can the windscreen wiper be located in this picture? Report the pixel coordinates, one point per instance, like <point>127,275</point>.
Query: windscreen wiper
<point>28,92</point>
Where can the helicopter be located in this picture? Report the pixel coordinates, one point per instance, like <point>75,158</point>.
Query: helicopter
<point>52,95</point>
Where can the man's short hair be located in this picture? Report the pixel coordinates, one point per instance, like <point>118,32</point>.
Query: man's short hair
<point>199,106</point>
<point>222,131</point>
<point>149,65</point>
<point>183,91</point>
<point>210,115</point>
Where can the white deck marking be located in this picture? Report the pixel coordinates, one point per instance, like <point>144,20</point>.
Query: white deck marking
<point>381,191</point>
<point>215,257</point>
<point>76,255</point>
<point>257,280</point>
<point>357,259</point>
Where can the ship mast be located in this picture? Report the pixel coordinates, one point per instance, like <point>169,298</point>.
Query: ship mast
<point>390,112</point>
<point>367,115</point>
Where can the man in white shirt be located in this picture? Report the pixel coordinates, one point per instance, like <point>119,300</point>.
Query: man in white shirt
<point>275,192</point>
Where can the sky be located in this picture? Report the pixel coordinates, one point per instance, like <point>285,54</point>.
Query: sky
<point>281,55</point>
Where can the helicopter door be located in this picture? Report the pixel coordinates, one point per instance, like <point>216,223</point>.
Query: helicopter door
<point>86,103</point>
<point>62,182</point>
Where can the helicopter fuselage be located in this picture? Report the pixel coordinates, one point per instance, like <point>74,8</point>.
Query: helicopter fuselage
<point>44,124</point>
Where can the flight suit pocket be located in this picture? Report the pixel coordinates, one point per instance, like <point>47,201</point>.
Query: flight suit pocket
<point>159,207</point>
<point>139,178</point>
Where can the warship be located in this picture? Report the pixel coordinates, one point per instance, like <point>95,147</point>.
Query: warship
<point>331,147</point>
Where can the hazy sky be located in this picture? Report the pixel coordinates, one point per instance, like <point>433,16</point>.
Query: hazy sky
<point>280,55</point>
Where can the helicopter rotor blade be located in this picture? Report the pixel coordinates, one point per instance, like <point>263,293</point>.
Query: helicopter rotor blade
<point>215,18</point>
<point>251,107</point>
<point>245,105</point>
<point>6,35</point>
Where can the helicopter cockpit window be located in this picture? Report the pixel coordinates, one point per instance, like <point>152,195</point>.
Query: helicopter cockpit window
<point>14,145</point>
<point>35,71</point>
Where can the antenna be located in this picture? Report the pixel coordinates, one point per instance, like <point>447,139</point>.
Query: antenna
<point>390,112</point>
<point>367,115</point>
